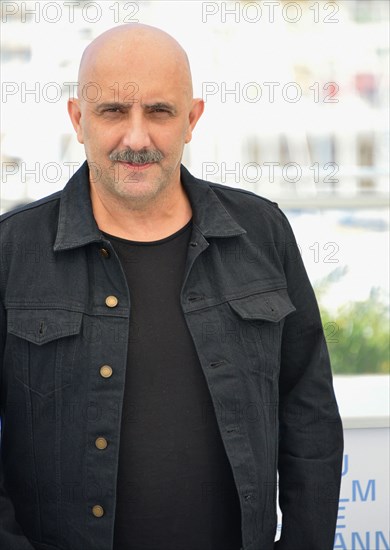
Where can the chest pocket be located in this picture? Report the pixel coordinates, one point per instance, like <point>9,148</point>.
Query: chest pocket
<point>262,317</point>
<point>42,347</point>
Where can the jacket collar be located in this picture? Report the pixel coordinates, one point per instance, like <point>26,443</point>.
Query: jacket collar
<point>208,213</point>
<point>77,226</point>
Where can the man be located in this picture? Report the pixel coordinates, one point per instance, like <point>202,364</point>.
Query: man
<point>162,348</point>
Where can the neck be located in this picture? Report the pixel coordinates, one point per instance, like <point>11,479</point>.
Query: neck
<point>153,221</point>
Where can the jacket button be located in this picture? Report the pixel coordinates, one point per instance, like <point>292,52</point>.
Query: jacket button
<point>101,443</point>
<point>98,511</point>
<point>111,301</point>
<point>105,371</point>
<point>104,252</point>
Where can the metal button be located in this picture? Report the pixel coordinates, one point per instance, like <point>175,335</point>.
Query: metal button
<point>106,371</point>
<point>111,301</point>
<point>101,443</point>
<point>98,511</point>
<point>104,252</point>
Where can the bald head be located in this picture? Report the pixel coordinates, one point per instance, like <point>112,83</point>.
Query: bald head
<point>129,53</point>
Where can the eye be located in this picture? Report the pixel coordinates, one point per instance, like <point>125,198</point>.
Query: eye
<point>160,111</point>
<point>111,110</point>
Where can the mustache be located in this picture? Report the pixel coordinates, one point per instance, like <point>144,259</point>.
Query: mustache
<point>137,157</point>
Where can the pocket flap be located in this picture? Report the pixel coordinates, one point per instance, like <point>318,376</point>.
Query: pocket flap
<point>268,306</point>
<point>40,326</point>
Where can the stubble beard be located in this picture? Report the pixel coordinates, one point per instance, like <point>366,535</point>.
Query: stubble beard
<point>119,186</point>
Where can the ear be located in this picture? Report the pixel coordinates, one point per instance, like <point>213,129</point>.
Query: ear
<point>75,116</point>
<point>195,114</point>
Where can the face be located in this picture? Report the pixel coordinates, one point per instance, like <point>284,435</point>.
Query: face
<point>134,129</point>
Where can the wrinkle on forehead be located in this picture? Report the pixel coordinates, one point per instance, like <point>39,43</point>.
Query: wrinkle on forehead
<point>135,45</point>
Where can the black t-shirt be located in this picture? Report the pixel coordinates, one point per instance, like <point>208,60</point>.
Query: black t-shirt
<point>175,487</point>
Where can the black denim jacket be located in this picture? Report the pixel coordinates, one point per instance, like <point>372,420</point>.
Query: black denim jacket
<point>254,320</point>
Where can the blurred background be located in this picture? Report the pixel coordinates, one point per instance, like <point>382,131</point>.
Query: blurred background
<point>297,110</point>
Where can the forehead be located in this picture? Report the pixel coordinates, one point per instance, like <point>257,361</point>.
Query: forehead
<point>126,77</point>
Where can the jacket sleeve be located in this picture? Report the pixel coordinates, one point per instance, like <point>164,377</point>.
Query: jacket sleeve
<point>11,535</point>
<point>310,429</point>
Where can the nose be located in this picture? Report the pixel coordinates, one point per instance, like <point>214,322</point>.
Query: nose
<point>136,133</point>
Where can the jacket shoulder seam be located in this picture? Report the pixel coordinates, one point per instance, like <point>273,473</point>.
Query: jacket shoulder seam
<point>30,206</point>
<point>243,191</point>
